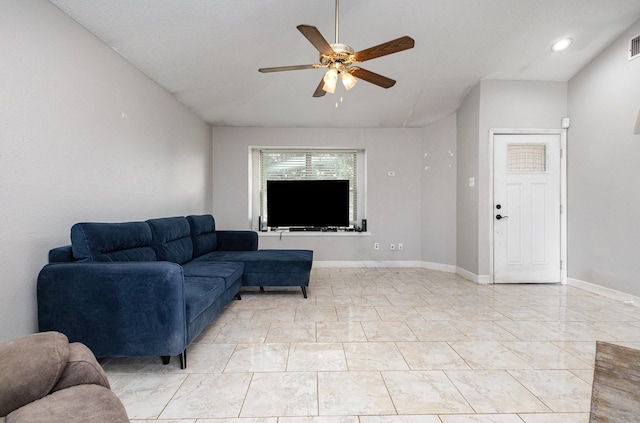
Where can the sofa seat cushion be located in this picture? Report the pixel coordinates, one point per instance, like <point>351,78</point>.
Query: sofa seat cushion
<point>268,267</point>
<point>265,261</point>
<point>77,404</point>
<point>106,242</point>
<point>200,293</point>
<point>229,272</point>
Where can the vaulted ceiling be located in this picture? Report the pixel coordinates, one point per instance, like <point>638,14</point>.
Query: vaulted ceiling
<point>207,52</point>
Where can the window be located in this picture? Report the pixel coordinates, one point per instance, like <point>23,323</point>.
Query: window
<point>310,164</point>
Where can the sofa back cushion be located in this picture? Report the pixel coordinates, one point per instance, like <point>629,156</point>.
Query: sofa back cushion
<point>171,238</point>
<point>203,234</point>
<point>129,241</point>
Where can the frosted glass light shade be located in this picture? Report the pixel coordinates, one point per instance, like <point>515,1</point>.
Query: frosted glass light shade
<point>348,80</point>
<point>330,79</point>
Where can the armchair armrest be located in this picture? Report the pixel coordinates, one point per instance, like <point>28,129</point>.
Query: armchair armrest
<point>237,240</point>
<point>115,309</point>
<point>30,367</point>
<point>82,369</point>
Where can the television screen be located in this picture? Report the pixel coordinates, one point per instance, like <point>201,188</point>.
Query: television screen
<point>311,203</point>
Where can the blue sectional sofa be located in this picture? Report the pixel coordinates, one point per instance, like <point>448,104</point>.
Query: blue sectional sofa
<point>150,288</point>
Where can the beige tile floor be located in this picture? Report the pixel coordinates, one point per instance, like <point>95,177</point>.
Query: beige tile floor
<point>385,345</point>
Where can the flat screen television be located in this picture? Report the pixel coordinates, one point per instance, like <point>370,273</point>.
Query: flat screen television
<point>308,203</point>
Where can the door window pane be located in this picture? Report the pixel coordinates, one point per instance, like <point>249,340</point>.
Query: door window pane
<point>524,158</point>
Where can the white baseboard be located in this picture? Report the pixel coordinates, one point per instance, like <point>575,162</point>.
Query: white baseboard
<point>484,280</point>
<point>449,268</point>
<point>479,279</point>
<point>613,294</point>
<point>388,263</point>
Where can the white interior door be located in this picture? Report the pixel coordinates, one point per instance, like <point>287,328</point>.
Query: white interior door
<point>526,209</point>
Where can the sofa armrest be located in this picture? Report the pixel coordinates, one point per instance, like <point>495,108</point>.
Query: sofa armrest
<point>115,309</point>
<point>237,240</point>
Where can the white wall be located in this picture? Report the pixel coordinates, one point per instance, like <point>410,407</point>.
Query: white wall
<point>393,203</point>
<point>83,136</point>
<point>604,166</point>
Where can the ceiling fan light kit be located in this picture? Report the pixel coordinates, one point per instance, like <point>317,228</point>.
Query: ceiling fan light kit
<point>338,59</point>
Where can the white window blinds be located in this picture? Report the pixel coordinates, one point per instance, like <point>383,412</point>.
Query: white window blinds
<point>309,165</point>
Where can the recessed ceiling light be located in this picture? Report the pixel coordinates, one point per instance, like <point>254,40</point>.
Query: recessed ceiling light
<point>561,44</point>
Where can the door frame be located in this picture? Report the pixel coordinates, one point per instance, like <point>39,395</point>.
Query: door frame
<point>563,192</point>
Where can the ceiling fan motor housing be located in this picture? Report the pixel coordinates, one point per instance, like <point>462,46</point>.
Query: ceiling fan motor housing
<point>343,54</point>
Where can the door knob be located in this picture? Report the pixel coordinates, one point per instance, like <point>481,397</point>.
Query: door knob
<point>501,217</point>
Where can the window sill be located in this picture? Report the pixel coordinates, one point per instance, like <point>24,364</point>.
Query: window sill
<point>279,234</point>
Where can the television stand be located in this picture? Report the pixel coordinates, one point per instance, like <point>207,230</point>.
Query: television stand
<point>310,229</point>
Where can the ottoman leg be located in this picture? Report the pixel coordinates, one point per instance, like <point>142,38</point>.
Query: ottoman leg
<point>304,291</point>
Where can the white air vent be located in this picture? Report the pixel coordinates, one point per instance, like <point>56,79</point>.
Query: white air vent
<point>634,47</point>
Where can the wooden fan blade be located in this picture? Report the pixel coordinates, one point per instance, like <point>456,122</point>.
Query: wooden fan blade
<point>393,46</point>
<point>374,78</point>
<point>315,37</point>
<point>286,68</point>
<point>319,91</point>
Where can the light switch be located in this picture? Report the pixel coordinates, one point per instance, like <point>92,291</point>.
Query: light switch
<point>472,181</point>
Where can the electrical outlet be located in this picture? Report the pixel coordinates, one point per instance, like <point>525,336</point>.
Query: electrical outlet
<point>376,245</point>
<point>392,247</point>
<point>400,246</point>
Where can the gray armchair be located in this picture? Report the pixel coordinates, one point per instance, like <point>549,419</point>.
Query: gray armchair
<point>44,378</point>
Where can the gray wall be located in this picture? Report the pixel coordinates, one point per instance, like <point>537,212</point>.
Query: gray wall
<point>394,204</point>
<point>511,104</point>
<point>468,123</point>
<point>603,161</point>
<point>83,136</point>
<point>494,105</point>
<point>438,209</point>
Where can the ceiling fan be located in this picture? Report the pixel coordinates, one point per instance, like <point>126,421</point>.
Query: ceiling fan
<point>339,59</point>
